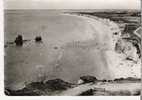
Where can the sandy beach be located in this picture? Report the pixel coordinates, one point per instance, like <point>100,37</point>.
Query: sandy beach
<point>84,45</point>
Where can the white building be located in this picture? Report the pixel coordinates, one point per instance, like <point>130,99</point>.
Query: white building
<point>138,32</point>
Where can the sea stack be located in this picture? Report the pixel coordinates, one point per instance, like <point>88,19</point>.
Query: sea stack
<point>38,39</point>
<point>19,40</point>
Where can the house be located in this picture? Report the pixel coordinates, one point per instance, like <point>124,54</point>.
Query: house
<point>129,28</point>
<point>138,32</point>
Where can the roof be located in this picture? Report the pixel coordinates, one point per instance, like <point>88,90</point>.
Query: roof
<point>130,28</point>
<point>138,32</point>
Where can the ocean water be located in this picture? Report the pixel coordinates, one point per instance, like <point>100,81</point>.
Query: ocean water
<point>71,47</point>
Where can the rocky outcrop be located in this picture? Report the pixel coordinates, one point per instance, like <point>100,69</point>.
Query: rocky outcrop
<point>40,88</point>
<point>88,79</point>
<point>38,39</point>
<point>131,79</point>
<point>87,93</point>
<point>19,40</point>
<point>58,84</point>
<point>129,48</point>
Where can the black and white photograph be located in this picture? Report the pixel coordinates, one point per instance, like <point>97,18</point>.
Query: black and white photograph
<point>72,47</point>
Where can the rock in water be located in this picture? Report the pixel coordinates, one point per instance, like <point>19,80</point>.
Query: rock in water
<point>19,40</point>
<point>38,39</point>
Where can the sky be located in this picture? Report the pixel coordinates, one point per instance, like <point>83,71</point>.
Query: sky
<point>72,4</point>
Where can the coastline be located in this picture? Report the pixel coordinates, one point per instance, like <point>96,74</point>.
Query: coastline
<point>117,58</point>
<point>107,51</point>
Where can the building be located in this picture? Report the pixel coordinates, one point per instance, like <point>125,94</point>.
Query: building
<point>138,32</point>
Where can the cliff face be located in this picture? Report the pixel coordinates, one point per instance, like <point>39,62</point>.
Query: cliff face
<point>128,63</point>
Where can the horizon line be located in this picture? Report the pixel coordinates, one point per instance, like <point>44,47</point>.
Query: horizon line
<point>71,9</point>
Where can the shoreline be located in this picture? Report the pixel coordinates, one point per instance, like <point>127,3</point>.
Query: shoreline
<point>91,22</point>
